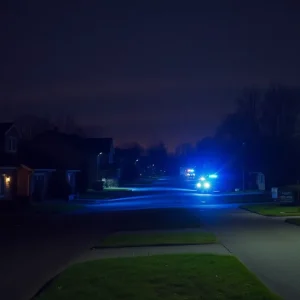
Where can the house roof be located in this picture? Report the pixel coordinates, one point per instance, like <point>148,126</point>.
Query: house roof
<point>35,159</point>
<point>73,138</point>
<point>98,145</point>
<point>4,127</point>
<point>54,138</point>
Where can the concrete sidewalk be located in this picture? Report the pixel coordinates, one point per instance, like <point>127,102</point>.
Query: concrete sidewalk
<point>152,250</point>
<point>268,246</point>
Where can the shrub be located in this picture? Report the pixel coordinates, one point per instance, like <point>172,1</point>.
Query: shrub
<point>58,186</point>
<point>111,182</point>
<point>98,185</point>
<point>81,182</point>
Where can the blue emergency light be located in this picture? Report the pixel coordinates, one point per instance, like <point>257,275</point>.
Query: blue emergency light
<point>213,176</point>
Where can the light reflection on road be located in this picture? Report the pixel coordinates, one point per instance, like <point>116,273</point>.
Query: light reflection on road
<point>175,198</point>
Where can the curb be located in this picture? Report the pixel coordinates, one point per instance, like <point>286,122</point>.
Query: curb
<point>291,223</point>
<point>267,216</point>
<point>153,245</point>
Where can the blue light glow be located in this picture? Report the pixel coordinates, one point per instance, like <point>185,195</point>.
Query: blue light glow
<point>191,170</point>
<point>202,178</point>
<point>207,185</point>
<point>198,185</point>
<point>213,176</point>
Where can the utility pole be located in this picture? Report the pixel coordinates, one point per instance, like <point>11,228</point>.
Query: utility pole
<point>98,164</point>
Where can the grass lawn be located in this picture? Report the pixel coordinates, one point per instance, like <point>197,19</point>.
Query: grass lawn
<point>123,239</point>
<point>54,208</point>
<point>114,189</point>
<point>295,221</point>
<point>274,210</point>
<point>163,277</point>
<point>235,197</point>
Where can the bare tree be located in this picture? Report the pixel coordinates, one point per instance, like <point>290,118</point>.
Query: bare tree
<point>31,125</point>
<point>280,111</point>
<point>243,124</point>
<point>67,124</point>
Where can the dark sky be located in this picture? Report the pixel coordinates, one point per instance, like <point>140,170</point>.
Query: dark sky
<point>144,72</point>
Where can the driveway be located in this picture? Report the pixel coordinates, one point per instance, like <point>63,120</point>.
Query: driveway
<point>267,246</point>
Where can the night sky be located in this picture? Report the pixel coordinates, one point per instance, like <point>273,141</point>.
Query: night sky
<point>143,72</point>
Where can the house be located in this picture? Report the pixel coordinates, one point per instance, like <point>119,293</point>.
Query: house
<point>26,171</point>
<point>18,181</point>
<point>58,153</point>
<point>32,168</point>
<point>64,150</point>
<point>47,175</point>
<point>9,139</point>
<point>94,157</point>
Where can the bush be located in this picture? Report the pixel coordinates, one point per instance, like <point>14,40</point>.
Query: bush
<point>98,185</point>
<point>81,182</point>
<point>111,182</point>
<point>58,186</point>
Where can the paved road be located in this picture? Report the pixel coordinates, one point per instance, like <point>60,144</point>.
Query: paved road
<point>34,250</point>
<point>176,197</point>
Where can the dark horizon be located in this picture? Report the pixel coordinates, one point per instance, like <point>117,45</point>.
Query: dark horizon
<point>143,73</point>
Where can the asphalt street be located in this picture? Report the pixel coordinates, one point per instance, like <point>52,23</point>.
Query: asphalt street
<point>34,250</point>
